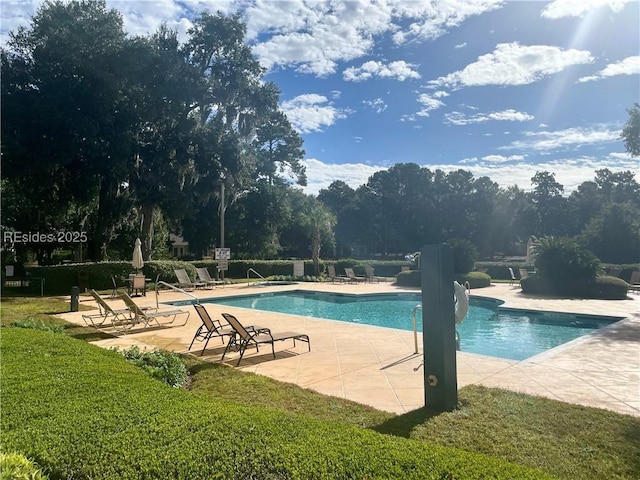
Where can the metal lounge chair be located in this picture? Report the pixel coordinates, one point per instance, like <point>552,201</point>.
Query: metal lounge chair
<point>244,338</point>
<point>119,318</point>
<point>331,270</point>
<point>513,276</point>
<point>184,281</point>
<point>352,276</point>
<point>147,317</point>
<point>371,276</point>
<point>204,277</point>
<point>214,328</point>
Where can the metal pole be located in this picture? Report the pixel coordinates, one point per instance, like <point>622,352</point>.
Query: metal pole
<point>222,209</point>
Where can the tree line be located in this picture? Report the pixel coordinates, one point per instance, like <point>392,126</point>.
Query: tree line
<point>122,136</point>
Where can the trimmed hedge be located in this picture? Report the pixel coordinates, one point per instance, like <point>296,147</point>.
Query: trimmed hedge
<point>83,412</point>
<point>606,288</point>
<point>60,278</point>
<point>413,278</point>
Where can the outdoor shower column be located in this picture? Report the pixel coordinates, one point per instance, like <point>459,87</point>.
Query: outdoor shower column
<point>438,328</point>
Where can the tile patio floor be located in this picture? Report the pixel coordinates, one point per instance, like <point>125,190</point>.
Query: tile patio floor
<point>377,366</point>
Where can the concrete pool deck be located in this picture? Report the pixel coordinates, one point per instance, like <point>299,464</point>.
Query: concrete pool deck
<point>377,366</point>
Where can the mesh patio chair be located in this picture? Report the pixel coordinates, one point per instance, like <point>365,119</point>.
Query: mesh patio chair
<point>245,338</point>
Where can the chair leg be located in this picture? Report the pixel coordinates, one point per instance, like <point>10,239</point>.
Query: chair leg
<point>206,343</point>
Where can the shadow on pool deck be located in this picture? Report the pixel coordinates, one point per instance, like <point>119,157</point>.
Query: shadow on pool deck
<point>376,366</point>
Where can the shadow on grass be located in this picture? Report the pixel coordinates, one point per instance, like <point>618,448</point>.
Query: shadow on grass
<point>403,425</point>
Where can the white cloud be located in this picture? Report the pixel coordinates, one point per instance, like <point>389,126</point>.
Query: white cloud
<point>461,45</point>
<point>628,66</point>
<point>433,18</point>
<point>376,105</point>
<point>311,36</point>
<point>429,103</point>
<point>569,171</point>
<point>575,8</point>
<point>502,159</point>
<point>459,118</point>
<point>399,70</point>
<point>493,159</point>
<point>314,37</point>
<point>320,175</point>
<point>514,64</point>
<point>311,112</point>
<point>569,138</point>
<point>505,171</point>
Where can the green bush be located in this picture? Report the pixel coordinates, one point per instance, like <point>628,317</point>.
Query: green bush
<point>475,279</point>
<point>60,278</point>
<point>564,265</point>
<point>83,412</point>
<point>413,278</point>
<point>160,364</point>
<point>465,255</point>
<point>410,278</point>
<point>609,288</point>
<point>500,270</point>
<point>14,466</point>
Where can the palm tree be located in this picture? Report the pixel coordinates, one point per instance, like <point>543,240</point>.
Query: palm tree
<point>318,222</point>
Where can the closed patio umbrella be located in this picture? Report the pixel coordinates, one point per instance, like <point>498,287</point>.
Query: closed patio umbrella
<point>137,260</point>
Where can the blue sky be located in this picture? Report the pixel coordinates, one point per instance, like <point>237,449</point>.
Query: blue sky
<point>499,88</point>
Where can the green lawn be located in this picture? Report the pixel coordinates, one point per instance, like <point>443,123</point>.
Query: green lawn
<point>563,440</point>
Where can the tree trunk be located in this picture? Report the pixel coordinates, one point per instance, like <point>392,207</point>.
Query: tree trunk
<point>147,231</point>
<point>97,245</point>
<point>315,253</point>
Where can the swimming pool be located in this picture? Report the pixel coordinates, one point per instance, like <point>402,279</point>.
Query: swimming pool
<point>487,329</point>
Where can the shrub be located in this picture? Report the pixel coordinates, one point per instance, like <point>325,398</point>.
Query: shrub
<point>413,278</point>
<point>465,255</point>
<point>160,364</point>
<point>14,466</point>
<point>500,270</point>
<point>38,325</point>
<point>475,279</point>
<point>565,266</point>
<point>608,288</point>
<point>60,278</point>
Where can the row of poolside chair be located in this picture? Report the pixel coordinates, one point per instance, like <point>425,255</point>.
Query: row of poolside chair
<point>124,319</point>
<point>240,337</point>
<point>351,277</point>
<point>204,279</point>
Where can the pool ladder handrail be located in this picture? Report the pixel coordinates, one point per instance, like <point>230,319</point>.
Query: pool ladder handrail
<point>196,300</point>
<point>415,330</point>
<point>252,270</point>
<point>415,326</point>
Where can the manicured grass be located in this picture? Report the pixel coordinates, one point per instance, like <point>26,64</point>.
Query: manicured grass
<point>42,310</point>
<point>564,440</point>
<point>83,412</point>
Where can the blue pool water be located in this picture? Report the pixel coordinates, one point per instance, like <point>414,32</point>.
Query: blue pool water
<point>487,329</point>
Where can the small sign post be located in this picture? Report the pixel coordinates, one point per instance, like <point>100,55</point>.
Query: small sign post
<point>222,256</point>
<point>298,268</point>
